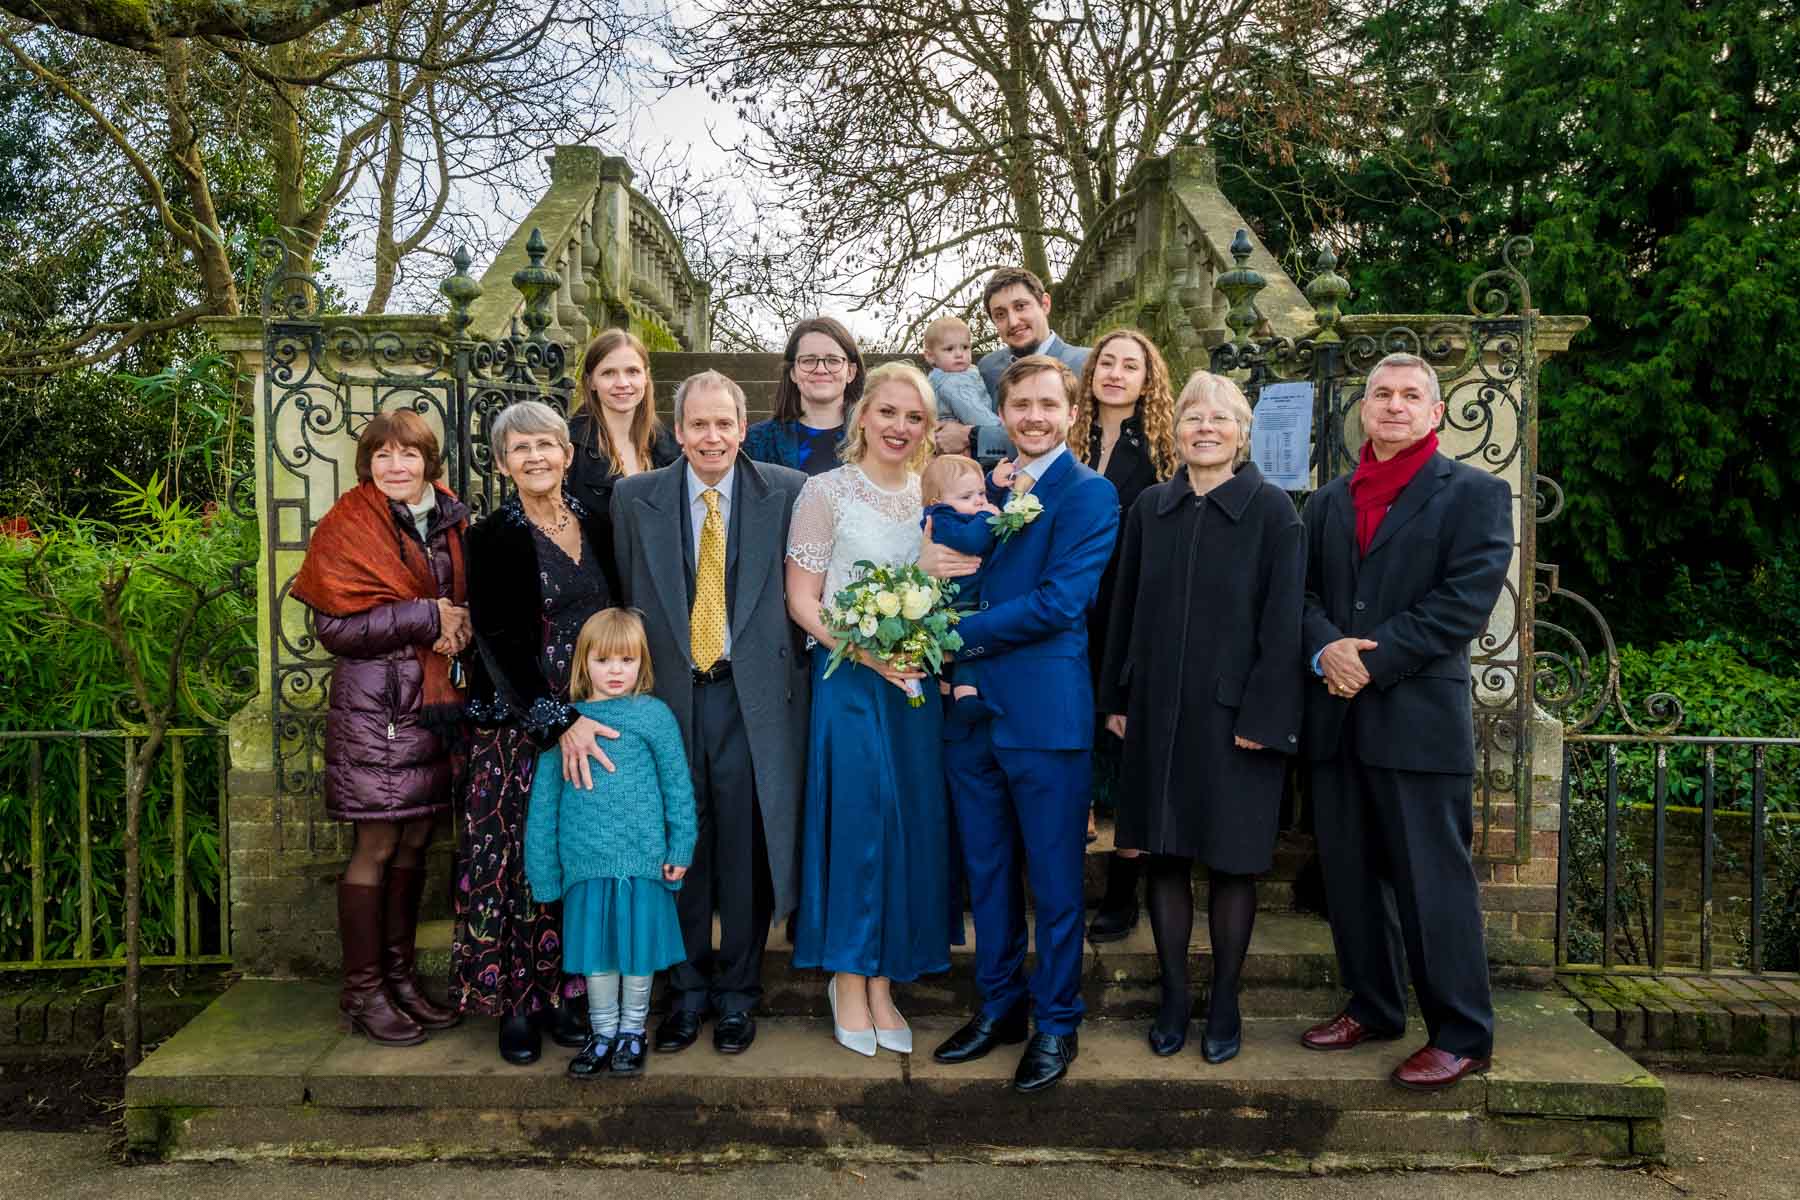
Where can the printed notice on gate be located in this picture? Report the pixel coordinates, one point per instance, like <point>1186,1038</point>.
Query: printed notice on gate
<point>1281,438</point>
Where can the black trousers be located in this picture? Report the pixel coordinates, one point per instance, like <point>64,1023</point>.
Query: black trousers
<point>730,871</point>
<point>1394,846</point>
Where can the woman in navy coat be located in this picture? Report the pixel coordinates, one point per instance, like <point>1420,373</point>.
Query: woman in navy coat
<point>1203,680</point>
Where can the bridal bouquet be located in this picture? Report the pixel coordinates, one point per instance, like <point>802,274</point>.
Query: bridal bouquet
<point>897,613</point>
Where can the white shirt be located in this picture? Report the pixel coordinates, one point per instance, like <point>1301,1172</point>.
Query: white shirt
<point>1037,466</point>
<point>697,515</point>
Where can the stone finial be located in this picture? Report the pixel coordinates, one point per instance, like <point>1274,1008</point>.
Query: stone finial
<point>538,284</point>
<point>461,290</point>
<point>1240,285</point>
<point>1327,291</point>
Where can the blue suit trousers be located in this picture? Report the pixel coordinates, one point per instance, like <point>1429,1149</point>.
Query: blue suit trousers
<point>1031,804</point>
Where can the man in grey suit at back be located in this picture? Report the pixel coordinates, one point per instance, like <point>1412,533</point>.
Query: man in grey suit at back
<point>701,545</point>
<point>1018,303</point>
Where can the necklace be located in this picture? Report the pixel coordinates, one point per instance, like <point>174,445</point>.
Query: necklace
<point>561,523</point>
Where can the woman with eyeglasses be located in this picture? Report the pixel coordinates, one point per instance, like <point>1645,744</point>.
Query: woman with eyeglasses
<point>821,378</point>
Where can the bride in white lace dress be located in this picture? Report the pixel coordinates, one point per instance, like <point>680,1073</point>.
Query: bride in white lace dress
<point>874,849</point>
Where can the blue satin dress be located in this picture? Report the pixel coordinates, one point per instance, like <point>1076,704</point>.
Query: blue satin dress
<point>875,850</point>
<point>875,844</point>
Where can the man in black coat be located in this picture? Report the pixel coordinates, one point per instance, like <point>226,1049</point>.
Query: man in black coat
<point>1405,560</point>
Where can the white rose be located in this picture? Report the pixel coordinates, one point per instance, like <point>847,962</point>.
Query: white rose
<point>887,603</point>
<point>868,625</point>
<point>915,603</point>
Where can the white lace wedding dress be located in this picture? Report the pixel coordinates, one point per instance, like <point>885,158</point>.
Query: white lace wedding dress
<point>842,518</point>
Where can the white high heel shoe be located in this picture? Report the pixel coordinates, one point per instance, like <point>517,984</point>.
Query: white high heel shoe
<point>863,1041</point>
<point>898,1040</point>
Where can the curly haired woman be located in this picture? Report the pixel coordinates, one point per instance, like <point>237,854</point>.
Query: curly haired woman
<point>1126,431</point>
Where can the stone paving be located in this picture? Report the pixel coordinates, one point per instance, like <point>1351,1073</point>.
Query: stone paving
<point>1724,1021</point>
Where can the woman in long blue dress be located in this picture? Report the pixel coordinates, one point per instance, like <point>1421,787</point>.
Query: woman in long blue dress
<point>874,841</point>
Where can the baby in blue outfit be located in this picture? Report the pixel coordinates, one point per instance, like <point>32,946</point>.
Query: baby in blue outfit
<point>954,493</point>
<point>962,397</point>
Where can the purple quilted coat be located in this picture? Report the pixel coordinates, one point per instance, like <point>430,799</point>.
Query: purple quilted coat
<point>381,762</point>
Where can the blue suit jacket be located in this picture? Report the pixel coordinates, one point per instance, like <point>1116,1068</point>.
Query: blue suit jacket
<point>993,364</point>
<point>1029,633</point>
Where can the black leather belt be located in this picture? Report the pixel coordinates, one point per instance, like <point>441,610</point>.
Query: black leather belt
<point>713,674</point>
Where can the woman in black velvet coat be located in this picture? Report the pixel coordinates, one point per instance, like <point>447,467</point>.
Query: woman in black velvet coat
<point>1126,431</point>
<point>538,569</point>
<point>1203,680</point>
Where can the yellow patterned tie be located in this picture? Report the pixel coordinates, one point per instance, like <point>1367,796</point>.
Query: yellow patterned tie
<point>706,624</point>
<point>1022,483</point>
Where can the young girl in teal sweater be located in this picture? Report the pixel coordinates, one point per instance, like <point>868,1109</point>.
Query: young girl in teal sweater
<point>615,853</point>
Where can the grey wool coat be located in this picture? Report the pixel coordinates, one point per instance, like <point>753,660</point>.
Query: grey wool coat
<point>652,537</point>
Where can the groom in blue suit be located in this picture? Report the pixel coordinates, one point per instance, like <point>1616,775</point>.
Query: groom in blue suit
<point>1020,780</point>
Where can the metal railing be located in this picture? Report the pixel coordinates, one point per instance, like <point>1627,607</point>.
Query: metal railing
<point>1677,830</point>
<point>188,939</point>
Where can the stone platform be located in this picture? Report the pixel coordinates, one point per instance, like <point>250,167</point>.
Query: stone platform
<point>265,1073</point>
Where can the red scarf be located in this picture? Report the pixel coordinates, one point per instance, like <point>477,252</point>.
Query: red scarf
<point>1375,484</point>
<point>351,566</point>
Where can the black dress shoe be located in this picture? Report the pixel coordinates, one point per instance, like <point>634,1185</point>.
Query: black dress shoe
<point>1165,1042</point>
<point>679,1030</point>
<point>594,1059</point>
<point>1046,1060</point>
<point>1113,924</point>
<point>734,1032</point>
<point>628,1054</point>
<point>520,1041</point>
<point>981,1035</point>
<point>1218,1050</point>
<point>568,1023</point>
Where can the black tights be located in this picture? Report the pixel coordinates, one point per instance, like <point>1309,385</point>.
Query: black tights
<point>1230,916</point>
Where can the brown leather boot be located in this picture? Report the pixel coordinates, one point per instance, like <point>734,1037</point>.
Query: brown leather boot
<point>364,1003</point>
<point>404,886</point>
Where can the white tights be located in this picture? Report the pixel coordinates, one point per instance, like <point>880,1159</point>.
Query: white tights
<point>617,1003</point>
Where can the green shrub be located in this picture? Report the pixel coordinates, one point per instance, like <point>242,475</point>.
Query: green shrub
<point>61,672</point>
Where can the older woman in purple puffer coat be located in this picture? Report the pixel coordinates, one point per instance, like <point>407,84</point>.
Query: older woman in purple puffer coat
<point>384,576</point>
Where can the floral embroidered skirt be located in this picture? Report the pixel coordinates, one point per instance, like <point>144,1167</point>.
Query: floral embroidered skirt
<point>506,952</point>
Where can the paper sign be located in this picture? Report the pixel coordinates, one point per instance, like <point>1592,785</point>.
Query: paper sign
<point>1281,436</point>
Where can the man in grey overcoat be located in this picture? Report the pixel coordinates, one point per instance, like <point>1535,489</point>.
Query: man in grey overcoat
<point>700,546</point>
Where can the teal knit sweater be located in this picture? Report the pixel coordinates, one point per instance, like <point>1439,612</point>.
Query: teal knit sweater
<point>632,821</point>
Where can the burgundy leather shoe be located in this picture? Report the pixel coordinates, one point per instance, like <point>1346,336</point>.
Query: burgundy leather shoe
<point>1342,1032</point>
<point>1430,1069</point>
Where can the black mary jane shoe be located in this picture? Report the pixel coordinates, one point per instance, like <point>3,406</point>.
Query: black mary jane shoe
<point>567,1023</point>
<point>982,1033</point>
<point>1166,1043</point>
<point>628,1054</point>
<point>1045,1061</point>
<point>595,1059</point>
<point>733,1032</point>
<point>520,1041</point>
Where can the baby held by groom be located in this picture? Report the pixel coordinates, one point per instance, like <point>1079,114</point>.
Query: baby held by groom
<point>953,490</point>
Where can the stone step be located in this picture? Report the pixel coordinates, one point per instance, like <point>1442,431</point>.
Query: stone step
<point>266,1074</point>
<point>1290,971</point>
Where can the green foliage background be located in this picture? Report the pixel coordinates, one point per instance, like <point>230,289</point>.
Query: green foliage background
<point>62,674</point>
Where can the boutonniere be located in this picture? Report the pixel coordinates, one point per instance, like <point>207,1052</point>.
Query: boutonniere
<point>1019,512</point>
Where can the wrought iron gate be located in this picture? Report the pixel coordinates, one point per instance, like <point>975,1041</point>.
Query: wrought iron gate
<point>1486,361</point>
<point>324,377</point>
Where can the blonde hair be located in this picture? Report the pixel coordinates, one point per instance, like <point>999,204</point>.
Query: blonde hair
<point>611,633</point>
<point>942,471</point>
<point>1204,385</point>
<point>855,445</point>
<point>943,325</point>
<point>1155,405</point>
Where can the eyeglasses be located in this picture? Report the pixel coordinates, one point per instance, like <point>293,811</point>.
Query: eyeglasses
<point>830,364</point>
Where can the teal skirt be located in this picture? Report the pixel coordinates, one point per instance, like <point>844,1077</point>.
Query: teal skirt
<point>628,926</point>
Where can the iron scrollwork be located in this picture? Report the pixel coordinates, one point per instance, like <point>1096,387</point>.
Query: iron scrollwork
<point>324,378</point>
